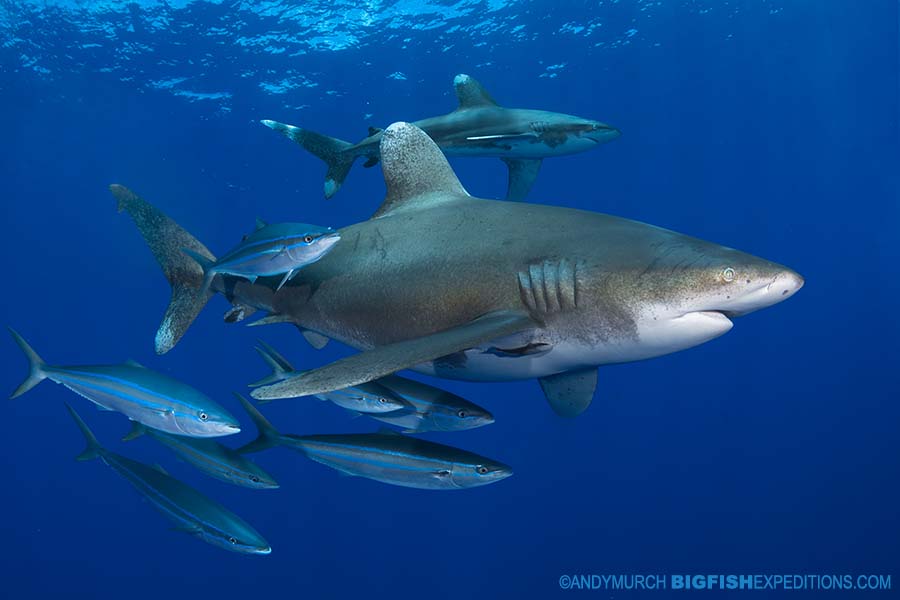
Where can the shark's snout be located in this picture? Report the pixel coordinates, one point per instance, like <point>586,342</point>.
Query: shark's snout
<point>601,133</point>
<point>786,284</point>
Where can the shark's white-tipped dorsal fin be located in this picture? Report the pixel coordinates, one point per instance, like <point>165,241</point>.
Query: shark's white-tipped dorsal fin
<point>416,172</point>
<point>471,93</point>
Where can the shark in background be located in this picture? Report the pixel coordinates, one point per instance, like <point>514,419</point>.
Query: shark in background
<point>483,290</point>
<point>520,137</point>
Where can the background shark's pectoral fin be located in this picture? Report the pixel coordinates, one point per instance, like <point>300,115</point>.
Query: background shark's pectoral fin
<point>384,360</point>
<point>522,173</point>
<point>570,393</point>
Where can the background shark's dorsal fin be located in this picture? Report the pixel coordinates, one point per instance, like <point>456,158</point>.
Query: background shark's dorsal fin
<point>260,224</point>
<point>471,93</point>
<point>416,172</point>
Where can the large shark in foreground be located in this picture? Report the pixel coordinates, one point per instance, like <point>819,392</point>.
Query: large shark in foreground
<point>478,127</point>
<point>465,288</point>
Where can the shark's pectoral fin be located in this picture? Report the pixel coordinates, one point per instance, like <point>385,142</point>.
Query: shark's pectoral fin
<point>522,173</point>
<point>384,360</point>
<point>570,393</point>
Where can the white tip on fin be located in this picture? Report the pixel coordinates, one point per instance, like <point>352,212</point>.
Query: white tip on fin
<point>416,172</point>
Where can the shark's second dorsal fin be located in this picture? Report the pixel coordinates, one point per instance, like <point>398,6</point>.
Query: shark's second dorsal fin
<point>416,173</point>
<point>260,224</point>
<point>470,93</point>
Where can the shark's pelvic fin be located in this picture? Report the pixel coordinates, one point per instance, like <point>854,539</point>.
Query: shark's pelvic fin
<point>522,173</point>
<point>571,392</point>
<point>315,339</point>
<point>416,172</point>
<point>331,150</point>
<point>384,360</point>
<point>167,241</point>
<point>470,93</point>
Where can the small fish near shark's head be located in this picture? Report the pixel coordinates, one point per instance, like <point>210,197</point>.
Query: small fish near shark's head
<point>458,418</point>
<point>242,539</point>
<point>699,287</point>
<point>207,421</point>
<point>484,472</point>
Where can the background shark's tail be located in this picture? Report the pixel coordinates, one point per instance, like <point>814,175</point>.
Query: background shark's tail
<point>332,150</point>
<point>92,449</point>
<point>168,240</point>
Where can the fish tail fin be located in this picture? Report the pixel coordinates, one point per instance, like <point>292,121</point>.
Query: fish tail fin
<point>268,436</point>
<point>279,364</point>
<point>137,430</point>
<point>168,241</point>
<point>206,265</point>
<point>331,150</point>
<point>93,449</point>
<point>36,365</point>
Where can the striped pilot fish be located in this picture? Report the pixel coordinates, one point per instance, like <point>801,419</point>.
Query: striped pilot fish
<point>391,458</point>
<point>415,406</point>
<point>211,457</point>
<point>142,395</point>
<point>279,249</point>
<point>191,511</point>
<point>369,398</point>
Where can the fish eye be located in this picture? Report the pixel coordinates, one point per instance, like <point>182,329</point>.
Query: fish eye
<point>482,470</point>
<point>308,239</point>
<point>232,540</point>
<point>203,416</point>
<point>254,479</point>
<point>462,414</point>
<point>728,274</point>
<point>382,399</point>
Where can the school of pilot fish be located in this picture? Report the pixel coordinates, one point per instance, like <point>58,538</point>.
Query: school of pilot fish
<point>437,281</point>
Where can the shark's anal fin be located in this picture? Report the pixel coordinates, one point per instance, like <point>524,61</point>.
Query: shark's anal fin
<point>384,360</point>
<point>571,392</point>
<point>470,93</point>
<point>522,173</point>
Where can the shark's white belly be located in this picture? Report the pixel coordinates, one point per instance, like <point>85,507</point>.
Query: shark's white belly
<point>655,337</point>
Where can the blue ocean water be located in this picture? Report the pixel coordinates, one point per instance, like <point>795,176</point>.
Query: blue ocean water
<point>768,126</point>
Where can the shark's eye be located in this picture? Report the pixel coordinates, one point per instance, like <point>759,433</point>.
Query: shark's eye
<point>308,239</point>
<point>203,416</point>
<point>462,414</point>
<point>232,540</point>
<point>254,479</point>
<point>728,274</point>
<point>482,470</point>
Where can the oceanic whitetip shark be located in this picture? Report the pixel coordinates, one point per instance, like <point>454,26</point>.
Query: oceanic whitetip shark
<point>466,288</point>
<point>478,127</point>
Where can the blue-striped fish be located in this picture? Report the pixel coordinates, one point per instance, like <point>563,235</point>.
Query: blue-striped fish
<point>279,249</point>
<point>418,407</point>
<point>145,396</point>
<point>391,458</point>
<point>191,511</point>
<point>211,457</point>
<point>367,398</point>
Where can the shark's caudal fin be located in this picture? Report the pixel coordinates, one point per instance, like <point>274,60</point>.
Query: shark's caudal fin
<point>268,436</point>
<point>35,366</point>
<point>93,449</point>
<point>416,172</point>
<point>281,368</point>
<point>168,242</point>
<point>331,150</point>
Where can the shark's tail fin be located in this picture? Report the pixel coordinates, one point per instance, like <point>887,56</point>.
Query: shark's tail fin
<point>168,242</point>
<point>331,150</point>
<point>268,436</point>
<point>93,448</point>
<point>35,365</point>
<point>280,366</point>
